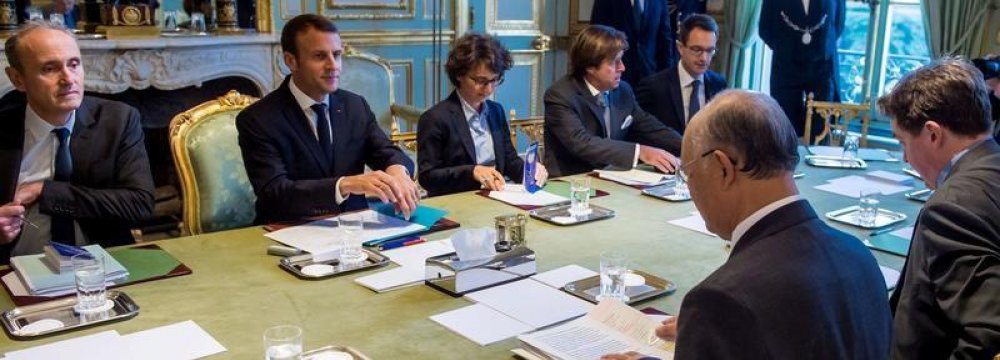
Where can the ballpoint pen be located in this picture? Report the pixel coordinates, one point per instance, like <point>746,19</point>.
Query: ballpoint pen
<point>886,230</point>
<point>26,221</point>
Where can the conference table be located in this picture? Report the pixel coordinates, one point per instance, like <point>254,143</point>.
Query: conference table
<point>236,290</point>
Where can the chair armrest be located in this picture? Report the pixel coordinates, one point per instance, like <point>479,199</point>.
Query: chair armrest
<point>410,114</point>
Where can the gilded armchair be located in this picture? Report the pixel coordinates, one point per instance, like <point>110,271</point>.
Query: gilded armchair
<point>837,119</point>
<point>371,76</point>
<point>216,192</point>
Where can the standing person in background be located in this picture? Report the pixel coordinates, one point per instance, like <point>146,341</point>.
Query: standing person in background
<point>646,24</point>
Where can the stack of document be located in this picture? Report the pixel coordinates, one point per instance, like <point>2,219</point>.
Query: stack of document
<point>517,196</point>
<point>884,182</point>
<point>693,222</point>
<point>411,260</point>
<point>635,177</point>
<point>610,328</point>
<point>508,310</point>
<point>866,154</point>
<point>41,280</point>
<point>180,341</point>
<point>323,237</point>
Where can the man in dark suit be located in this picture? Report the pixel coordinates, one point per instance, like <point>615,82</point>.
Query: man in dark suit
<point>803,35</point>
<point>73,169</point>
<point>306,144</point>
<point>945,306</point>
<point>592,120</point>
<point>674,95</point>
<point>646,24</point>
<point>793,287</point>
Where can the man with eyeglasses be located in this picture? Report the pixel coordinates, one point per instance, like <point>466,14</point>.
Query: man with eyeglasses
<point>793,287</point>
<point>676,94</point>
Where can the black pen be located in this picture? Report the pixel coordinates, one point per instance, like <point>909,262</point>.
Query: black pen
<point>26,221</point>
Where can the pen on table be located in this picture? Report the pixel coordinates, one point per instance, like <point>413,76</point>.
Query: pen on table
<point>401,242</point>
<point>886,230</point>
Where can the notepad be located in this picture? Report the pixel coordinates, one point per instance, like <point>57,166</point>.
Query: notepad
<point>635,177</point>
<point>531,302</point>
<point>515,195</point>
<point>866,154</point>
<point>891,277</point>
<point>481,324</point>
<point>411,260</point>
<point>559,277</point>
<point>324,236</point>
<point>693,222</point>
<point>851,186</point>
<point>183,340</point>
<point>104,345</point>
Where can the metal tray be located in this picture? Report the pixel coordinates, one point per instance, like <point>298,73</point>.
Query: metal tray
<point>294,265</point>
<point>920,195</point>
<point>18,321</point>
<point>665,192</point>
<point>330,352</point>
<point>849,215</point>
<point>86,36</point>
<point>589,288</point>
<point>835,162</point>
<point>559,214</point>
<point>183,33</point>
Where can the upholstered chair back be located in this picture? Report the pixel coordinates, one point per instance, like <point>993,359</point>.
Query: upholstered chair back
<point>217,194</point>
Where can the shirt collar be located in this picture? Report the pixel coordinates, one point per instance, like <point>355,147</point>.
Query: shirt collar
<point>593,90</point>
<point>753,219</point>
<point>39,128</point>
<point>305,102</point>
<point>685,76</point>
<point>469,110</point>
<point>954,160</point>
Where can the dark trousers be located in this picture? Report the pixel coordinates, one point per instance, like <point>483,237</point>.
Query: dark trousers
<point>792,81</point>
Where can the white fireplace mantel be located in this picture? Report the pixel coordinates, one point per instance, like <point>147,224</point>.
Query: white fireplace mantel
<point>113,66</point>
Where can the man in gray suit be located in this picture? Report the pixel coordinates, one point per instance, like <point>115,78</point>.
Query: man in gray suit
<point>793,287</point>
<point>945,305</point>
<point>592,120</point>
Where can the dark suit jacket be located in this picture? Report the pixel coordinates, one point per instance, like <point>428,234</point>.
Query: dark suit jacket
<point>946,305</point>
<point>447,154</point>
<point>111,188</point>
<point>661,96</point>
<point>793,288</point>
<point>291,176</point>
<point>650,46</point>
<point>787,43</point>
<point>574,129</point>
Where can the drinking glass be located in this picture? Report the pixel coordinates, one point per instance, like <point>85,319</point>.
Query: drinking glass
<point>170,20</point>
<point>868,201</point>
<point>579,196</point>
<point>57,19</point>
<point>351,227</point>
<point>283,342</point>
<point>197,22</point>
<point>91,290</point>
<point>851,143</point>
<point>613,269</point>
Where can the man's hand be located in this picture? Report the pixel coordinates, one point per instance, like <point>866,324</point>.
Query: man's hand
<point>11,220</point>
<point>631,355</point>
<point>541,174</point>
<point>27,194</point>
<point>490,178</point>
<point>668,329</point>
<point>410,194</point>
<point>659,158</point>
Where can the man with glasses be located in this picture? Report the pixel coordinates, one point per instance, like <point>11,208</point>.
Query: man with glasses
<point>592,120</point>
<point>676,94</point>
<point>793,287</point>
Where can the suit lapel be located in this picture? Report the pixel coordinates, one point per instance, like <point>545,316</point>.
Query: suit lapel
<point>591,100</point>
<point>677,99</point>
<point>461,125</point>
<point>86,119</point>
<point>617,113</point>
<point>11,148</point>
<point>299,123</point>
<point>780,219</point>
<point>341,128</point>
<point>496,131</point>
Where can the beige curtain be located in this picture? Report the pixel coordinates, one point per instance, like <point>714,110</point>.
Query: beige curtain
<point>742,32</point>
<point>956,27</point>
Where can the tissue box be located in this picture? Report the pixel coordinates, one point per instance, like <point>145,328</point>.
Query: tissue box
<point>456,278</point>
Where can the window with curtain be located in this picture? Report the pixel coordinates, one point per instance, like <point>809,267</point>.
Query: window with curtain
<point>882,41</point>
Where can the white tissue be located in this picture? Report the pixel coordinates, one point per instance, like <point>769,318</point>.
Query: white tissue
<point>474,244</point>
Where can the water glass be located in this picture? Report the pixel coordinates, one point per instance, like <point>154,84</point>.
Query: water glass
<point>579,196</point>
<point>197,22</point>
<point>851,143</point>
<point>868,202</point>
<point>351,229</point>
<point>90,286</point>
<point>283,342</point>
<point>613,270</point>
<point>170,20</point>
<point>35,14</point>
<point>57,19</point>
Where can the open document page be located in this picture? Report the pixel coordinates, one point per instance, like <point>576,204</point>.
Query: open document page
<point>611,327</point>
<point>324,236</point>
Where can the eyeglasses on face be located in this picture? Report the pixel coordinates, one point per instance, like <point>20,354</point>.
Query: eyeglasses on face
<point>482,81</point>
<point>683,174</point>
<point>699,51</point>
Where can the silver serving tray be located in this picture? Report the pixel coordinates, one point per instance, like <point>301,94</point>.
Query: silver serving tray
<point>85,36</point>
<point>849,215</point>
<point>559,214</point>
<point>836,162</point>
<point>664,192</point>
<point>15,320</point>
<point>920,195</point>
<point>183,33</point>
<point>318,354</point>
<point>589,288</point>
<point>294,265</point>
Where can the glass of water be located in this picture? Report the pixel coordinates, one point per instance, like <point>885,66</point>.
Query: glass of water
<point>283,342</point>
<point>351,226</point>
<point>851,144</point>
<point>197,22</point>
<point>613,270</point>
<point>90,286</point>
<point>868,201</point>
<point>35,13</point>
<point>57,19</point>
<point>579,196</point>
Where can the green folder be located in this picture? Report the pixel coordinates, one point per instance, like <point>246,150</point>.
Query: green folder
<point>890,243</point>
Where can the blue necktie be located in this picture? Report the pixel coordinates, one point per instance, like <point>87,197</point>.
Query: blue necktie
<point>62,226</point>
<point>602,99</point>
<point>694,103</point>
<point>484,148</point>
<point>323,129</point>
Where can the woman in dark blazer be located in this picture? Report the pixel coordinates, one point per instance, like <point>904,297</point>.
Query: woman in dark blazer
<point>463,142</point>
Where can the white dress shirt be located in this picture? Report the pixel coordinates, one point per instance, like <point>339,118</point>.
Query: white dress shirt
<point>686,87</point>
<point>305,104</point>
<point>754,218</point>
<point>38,164</point>
<point>486,138</point>
<point>805,4</point>
<point>594,92</point>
